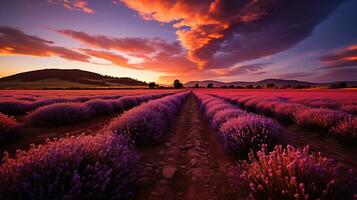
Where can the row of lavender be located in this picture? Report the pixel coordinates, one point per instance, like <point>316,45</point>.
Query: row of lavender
<point>335,101</point>
<point>283,173</point>
<point>342,100</point>
<point>340,124</point>
<point>147,123</point>
<point>104,166</point>
<point>239,131</point>
<point>24,105</point>
<point>70,113</point>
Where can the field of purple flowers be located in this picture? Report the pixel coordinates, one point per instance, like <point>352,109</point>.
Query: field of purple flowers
<point>252,128</point>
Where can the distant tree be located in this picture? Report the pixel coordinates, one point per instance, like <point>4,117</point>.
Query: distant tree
<point>239,87</point>
<point>231,86</point>
<point>223,86</point>
<point>270,85</point>
<point>197,86</point>
<point>338,85</point>
<point>302,86</point>
<point>210,85</point>
<point>249,86</point>
<point>152,85</point>
<point>177,84</point>
<point>258,87</point>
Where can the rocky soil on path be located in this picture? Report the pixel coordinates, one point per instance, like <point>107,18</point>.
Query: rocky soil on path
<point>190,164</point>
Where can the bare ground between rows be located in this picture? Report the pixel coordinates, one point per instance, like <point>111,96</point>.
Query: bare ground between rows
<point>190,164</point>
<point>38,135</point>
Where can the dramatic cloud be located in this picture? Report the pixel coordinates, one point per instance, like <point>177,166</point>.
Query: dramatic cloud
<point>112,57</point>
<point>80,5</point>
<point>221,33</point>
<point>344,58</point>
<point>156,54</point>
<point>142,47</point>
<point>16,42</point>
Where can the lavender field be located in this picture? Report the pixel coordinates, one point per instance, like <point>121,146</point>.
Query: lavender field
<point>178,144</point>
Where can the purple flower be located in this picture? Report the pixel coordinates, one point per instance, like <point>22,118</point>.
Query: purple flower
<point>83,167</point>
<point>224,115</point>
<point>98,107</point>
<point>319,118</point>
<point>247,133</point>
<point>292,173</point>
<point>14,107</point>
<point>148,122</point>
<point>59,114</point>
<point>346,130</point>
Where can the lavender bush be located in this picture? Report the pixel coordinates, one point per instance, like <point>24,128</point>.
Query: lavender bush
<point>143,126</point>
<point>346,130</point>
<point>211,110</point>
<point>147,123</point>
<point>320,119</point>
<point>129,101</point>
<point>7,126</point>
<point>83,167</point>
<point>98,107</point>
<point>71,113</point>
<point>248,132</point>
<point>224,115</point>
<point>117,105</point>
<point>14,107</point>
<point>287,111</point>
<point>59,114</point>
<point>293,173</point>
<point>46,102</point>
<point>351,108</point>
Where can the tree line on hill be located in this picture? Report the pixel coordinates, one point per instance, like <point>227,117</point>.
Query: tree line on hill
<point>177,85</point>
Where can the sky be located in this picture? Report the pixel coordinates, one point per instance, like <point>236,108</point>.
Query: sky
<point>161,40</point>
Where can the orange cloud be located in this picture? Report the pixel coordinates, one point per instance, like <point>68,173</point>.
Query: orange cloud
<point>112,57</point>
<point>80,5</point>
<point>16,42</point>
<point>221,33</point>
<point>345,58</point>
<point>205,20</point>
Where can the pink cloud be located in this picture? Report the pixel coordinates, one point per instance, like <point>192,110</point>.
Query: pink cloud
<point>16,42</point>
<point>80,5</point>
<point>344,58</point>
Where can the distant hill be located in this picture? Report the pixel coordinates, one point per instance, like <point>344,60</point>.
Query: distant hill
<point>276,82</point>
<point>65,78</point>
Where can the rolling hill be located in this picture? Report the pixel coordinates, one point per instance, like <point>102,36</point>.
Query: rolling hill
<point>65,78</point>
<point>276,82</point>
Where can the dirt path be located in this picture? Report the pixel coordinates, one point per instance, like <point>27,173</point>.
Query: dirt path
<point>190,165</point>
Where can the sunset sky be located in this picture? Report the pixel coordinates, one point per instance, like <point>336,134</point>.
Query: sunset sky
<point>162,40</point>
